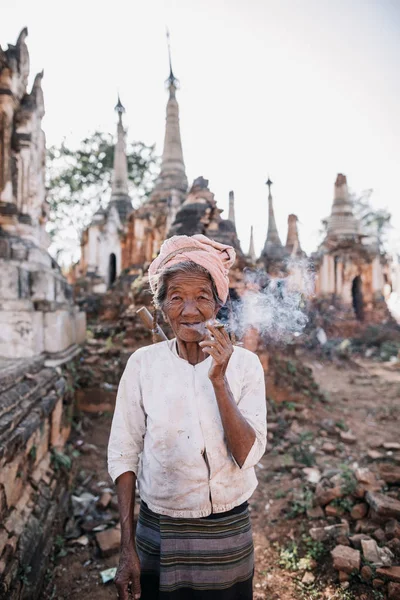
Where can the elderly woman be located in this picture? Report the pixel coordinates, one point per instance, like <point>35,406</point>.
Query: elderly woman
<point>189,426</point>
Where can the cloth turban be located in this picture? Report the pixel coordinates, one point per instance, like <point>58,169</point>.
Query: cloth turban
<point>215,257</point>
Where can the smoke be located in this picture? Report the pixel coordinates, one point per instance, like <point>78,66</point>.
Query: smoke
<point>275,307</point>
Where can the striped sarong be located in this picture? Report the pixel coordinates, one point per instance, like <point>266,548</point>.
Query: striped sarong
<point>194,559</point>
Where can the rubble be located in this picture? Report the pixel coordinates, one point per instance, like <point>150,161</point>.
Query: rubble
<point>394,591</point>
<point>109,541</point>
<point>322,534</point>
<point>359,511</point>
<point>391,573</point>
<point>346,559</point>
<point>383,505</point>
<point>376,556</point>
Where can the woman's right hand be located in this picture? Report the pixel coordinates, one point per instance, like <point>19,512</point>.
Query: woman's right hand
<point>128,572</point>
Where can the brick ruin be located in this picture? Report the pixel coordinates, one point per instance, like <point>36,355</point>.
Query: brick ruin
<point>41,330</point>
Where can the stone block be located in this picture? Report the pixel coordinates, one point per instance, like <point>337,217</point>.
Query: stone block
<point>359,511</point>
<point>43,286</point>
<point>366,573</point>
<point>41,469</point>
<point>394,591</point>
<point>109,541</point>
<point>104,500</point>
<point>378,557</point>
<point>394,546</point>
<point>24,284</point>
<point>384,506</point>
<point>39,257</point>
<point>391,573</point>
<point>80,319</point>
<point>9,281</point>
<point>357,539</point>
<point>56,439</point>
<point>390,473</point>
<point>59,330</point>
<point>21,334</point>
<point>18,518</point>
<point>10,478</point>
<point>346,559</point>
<point>321,534</point>
<point>392,529</point>
<point>324,493</point>
<point>41,441</point>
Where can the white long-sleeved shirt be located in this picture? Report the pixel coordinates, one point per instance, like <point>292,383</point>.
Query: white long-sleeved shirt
<point>167,429</point>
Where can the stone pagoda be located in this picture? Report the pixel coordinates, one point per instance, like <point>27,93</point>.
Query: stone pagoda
<point>103,241</point>
<point>293,246</point>
<point>274,254</point>
<point>351,272</point>
<point>148,225</point>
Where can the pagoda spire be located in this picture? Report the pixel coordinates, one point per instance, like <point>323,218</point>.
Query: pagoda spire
<point>342,223</point>
<point>172,173</point>
<point>293,241</point>
<point>252,252</point>
<point>231,214</point>
<point>273,238</point>
<point>120,169</point>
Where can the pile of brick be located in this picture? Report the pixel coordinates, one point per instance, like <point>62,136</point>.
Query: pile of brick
<point>358,511</point>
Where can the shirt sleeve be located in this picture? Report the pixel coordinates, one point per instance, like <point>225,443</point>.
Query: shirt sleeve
<point>129,423</point>
<point>253,407</point>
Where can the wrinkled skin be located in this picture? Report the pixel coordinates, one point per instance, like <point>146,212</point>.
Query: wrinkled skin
<point>190,302</point>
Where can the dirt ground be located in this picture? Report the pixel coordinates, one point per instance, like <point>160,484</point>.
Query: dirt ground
<point>361,397</point>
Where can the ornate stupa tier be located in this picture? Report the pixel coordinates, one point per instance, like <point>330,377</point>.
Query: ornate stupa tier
<point>172,173</point>
<point>273,246</point>
<point>252,252</point>
<point>293,240</point>
<point>119,190</point>
<point>342,223</point>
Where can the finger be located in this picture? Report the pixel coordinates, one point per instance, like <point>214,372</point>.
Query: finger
<point>216,358</point>
<point>212,343</point>
<point>136,590</point>
<point>122,589</point>
<point>221,334</point>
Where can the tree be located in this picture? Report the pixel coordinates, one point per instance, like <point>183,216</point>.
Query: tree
<point>79,183</point>
<point>375,222</point>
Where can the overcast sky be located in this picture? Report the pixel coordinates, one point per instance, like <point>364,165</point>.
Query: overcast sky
<point>295,89</point>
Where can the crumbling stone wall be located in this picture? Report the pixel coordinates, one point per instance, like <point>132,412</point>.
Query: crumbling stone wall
<point>35,422</point>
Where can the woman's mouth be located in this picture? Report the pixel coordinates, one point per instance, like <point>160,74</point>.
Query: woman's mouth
<point>198,326</point>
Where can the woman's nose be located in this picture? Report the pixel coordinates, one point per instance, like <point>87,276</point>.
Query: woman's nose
<point>190,308</point>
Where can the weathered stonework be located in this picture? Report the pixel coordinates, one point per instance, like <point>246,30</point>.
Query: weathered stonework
<point>35,422</point>
<point>351,272</point>
<point>40,327</point>
<point>33,293</point>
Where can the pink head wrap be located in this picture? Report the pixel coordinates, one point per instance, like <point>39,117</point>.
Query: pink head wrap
<point>215,257</point>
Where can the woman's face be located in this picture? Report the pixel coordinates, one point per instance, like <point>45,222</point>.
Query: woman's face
<point>189,303</point>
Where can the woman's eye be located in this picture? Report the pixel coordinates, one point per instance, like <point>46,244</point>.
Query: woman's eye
<point>176,298</point>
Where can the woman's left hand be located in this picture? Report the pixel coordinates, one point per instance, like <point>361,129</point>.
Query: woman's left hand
<point>221,349</point>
